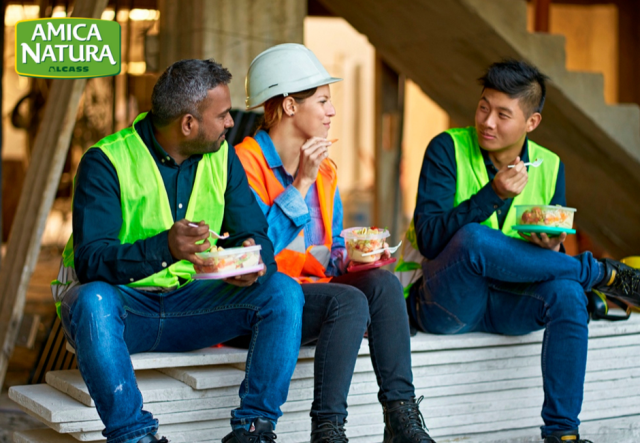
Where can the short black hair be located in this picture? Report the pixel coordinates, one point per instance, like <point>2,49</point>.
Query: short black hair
<point>182,88</point>
<point>520,80</point>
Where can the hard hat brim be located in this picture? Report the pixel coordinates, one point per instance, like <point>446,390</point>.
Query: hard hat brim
<point>269,94</point>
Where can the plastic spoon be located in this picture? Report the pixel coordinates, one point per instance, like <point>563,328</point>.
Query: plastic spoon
<point>534,164</point>
<point>214,233</point>
<point>379,251</point>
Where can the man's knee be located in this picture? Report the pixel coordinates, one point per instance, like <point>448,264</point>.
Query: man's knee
<point>94,297</point>
<point>567,298</point>
<point>471,237</point>
<point>286,295</point>
<point>97,304</point>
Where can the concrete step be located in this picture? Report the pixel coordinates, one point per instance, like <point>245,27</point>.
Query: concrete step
<point>217,355</point>
<point>467,390</point>
<point>154,386</point>
<point>420,343</point>
<point>297,433</point>
<point>443,379</point>
<point>618,430</point>
<point>452,410</point>
<point>208,377</point>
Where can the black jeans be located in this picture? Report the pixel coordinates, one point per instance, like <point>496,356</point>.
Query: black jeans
<point>335,316</point>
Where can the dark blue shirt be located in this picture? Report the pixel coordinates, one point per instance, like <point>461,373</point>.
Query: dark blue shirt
<point>436,220</point>
<point>97,215</point>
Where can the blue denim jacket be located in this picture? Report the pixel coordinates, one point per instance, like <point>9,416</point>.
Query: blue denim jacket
<point>291,213</point>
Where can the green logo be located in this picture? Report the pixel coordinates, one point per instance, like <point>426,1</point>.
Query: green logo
<point>67,48</point>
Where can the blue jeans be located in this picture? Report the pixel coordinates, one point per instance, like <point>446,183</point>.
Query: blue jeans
<point>336,316</point>
<point>484,281</point>
<point>106,324</point>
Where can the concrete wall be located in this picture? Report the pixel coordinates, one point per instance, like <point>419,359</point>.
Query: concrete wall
<point>232,32</point>
<point>591,34</point>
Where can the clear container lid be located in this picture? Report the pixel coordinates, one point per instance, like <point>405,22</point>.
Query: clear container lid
<point>214,253</point>
<point>564,208</point>
<point>351,234</point>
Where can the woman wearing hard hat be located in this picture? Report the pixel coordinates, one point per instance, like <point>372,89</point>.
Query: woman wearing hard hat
<point>295,183</point>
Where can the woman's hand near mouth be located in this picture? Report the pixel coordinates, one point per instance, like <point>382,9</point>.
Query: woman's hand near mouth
<point>311,155</point>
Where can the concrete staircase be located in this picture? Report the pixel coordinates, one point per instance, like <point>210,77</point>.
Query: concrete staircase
<point>444,46</point>
<point>477,388</point>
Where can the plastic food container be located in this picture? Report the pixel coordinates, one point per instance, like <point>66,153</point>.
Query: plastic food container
<point>231,262</point>
<point>549,216</point>
<point>360,241</point>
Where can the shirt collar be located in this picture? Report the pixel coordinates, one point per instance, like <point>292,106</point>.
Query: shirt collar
<point>145,128</point>
<point>524,154</point>
<point>268,149</point>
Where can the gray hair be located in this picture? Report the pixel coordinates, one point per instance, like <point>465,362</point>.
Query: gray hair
<point>182,88</point>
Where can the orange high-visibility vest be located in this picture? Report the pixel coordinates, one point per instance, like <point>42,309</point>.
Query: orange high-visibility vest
<point>301,266</point>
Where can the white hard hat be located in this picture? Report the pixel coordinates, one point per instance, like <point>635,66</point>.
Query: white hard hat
<point>281,70</point>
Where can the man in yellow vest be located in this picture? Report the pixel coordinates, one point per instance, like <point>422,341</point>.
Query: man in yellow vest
<point>145,199</point>
<point>471,271</point>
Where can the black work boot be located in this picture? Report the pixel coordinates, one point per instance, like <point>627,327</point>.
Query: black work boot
<point>565,437</point>
<point>152,439</point>
<point>620,281</point>
<point>328,432</point>
<point>404,422</point>
<point>261,431</point>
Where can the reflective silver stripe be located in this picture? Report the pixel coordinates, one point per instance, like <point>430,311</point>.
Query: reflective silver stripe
<point>66,280</point>
<point>156,289</point>
<point>410,255</point>
<point>297,245</point>
<point>322,254</point>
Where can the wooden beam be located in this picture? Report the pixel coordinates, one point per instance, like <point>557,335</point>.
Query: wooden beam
<point>43,176</point>
<point>317,9</point>
<point>629,55</point>
<point>389,113</point>
<point>542,11</point>
<point>3,7</point>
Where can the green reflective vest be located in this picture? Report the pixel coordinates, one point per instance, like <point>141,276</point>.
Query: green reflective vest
<point>471,177</point>
<point>145,205</point>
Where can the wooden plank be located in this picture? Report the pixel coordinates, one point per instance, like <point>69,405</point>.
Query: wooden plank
<point>28,330</point>
<point>43,175</point>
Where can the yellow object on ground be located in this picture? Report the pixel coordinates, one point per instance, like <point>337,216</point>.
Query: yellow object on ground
<point>634,261</point>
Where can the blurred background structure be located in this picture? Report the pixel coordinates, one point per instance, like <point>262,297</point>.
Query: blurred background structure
<point>409,70</point>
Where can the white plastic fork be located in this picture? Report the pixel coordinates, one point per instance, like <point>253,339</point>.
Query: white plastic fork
<point>214,233</point>
<point>380,251</point>
<point>535,164</point>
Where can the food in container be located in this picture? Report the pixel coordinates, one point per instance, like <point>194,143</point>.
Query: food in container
<point>360,241</point>
<point>549,216</point>
<point>230,262</point>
